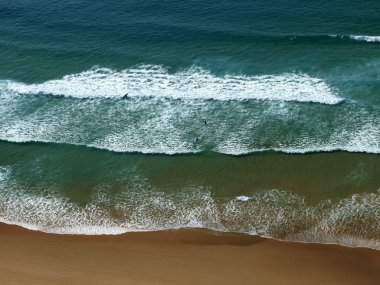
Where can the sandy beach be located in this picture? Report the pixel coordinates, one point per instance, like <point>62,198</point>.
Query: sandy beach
<point>177,257</point>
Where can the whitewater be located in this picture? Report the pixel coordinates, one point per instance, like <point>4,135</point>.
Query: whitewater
<point>192,83</point>
<point>165,111</point>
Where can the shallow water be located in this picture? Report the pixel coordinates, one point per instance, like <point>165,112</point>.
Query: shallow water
<point>251,116</point>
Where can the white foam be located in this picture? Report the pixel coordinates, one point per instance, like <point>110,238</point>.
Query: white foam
<point>242,198</point>
<point>193,83</point>
<point>370,39</point>
<point>365,139</point>
<point>4,173</point>
<point>271,213</point>
<point>164,138</point>
<point>362,38</point>
<point>139,209</point>
<point>171,126</point>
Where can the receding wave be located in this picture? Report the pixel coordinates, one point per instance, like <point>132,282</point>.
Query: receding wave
<point>192,83</point>
<point>352,221</point>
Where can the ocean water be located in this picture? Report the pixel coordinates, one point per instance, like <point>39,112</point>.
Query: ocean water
<point>258,117</point>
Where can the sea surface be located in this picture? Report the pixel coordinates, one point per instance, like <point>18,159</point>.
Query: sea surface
<point>259,117</point>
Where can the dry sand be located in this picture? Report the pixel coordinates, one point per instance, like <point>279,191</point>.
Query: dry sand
<point>177,257</point>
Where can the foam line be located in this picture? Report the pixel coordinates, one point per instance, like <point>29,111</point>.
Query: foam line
<point>193,83</point>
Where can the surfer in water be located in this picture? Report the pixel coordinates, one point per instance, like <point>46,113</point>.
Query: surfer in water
<point>196,141</point>
<point>125,96</point>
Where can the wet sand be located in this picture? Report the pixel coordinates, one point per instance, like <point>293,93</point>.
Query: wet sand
<point>177,257</point>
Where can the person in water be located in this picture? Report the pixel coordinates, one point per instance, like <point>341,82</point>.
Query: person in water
<point>205,122</point>
<point>125,96</point>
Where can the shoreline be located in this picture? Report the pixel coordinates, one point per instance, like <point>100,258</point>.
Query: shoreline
<point>187,256</point>
<point>353,245</point>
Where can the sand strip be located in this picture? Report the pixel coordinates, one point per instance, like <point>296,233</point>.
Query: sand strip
<point>177,257</point>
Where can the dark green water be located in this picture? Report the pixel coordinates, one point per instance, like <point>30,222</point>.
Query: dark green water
<point>245,116</point>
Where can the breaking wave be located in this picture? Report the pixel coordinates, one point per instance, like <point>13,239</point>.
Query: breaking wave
<point>193,83</point>
<point>362,38</point>
<point>166,126</point>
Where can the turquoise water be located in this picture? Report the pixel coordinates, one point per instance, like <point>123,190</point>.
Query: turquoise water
<point>247,116</point>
